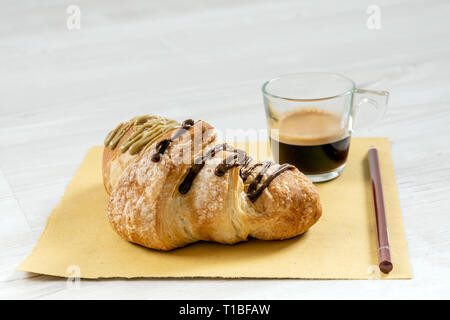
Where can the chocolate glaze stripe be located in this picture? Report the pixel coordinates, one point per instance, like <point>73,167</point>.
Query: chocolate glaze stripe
<point>198,165</point>
<point>257,192</point>
<point>254,184</point>
<point>238,158</point>
<point>248,171</point>
<point>162,146</point>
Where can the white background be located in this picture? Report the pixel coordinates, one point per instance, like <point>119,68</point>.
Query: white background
<point>61,91</point>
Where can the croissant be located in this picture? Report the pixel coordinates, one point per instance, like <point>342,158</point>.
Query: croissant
<point>171,185</point>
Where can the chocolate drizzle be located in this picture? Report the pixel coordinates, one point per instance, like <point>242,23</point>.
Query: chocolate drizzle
<point>198,165</point>
<point>237,158</point>
<point>253,191</point>
<point>162,146</point>
<point>148,129</point>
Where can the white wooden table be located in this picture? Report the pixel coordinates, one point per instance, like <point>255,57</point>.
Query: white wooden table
<point>61,90</point>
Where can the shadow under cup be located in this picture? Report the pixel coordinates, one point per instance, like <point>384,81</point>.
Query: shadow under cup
<point>310,119</point>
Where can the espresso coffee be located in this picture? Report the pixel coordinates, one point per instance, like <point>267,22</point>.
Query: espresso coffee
<point>313,140</point>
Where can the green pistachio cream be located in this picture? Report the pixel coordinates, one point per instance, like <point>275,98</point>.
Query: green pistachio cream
<point>146,130</point>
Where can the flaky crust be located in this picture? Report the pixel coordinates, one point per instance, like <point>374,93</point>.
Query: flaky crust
<point>146,207</point>
<point>115,162</point>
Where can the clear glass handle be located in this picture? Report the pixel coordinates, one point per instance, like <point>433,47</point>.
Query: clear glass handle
<point>369,108</point>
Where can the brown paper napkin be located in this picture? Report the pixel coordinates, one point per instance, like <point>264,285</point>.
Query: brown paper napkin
<point>342,245</point>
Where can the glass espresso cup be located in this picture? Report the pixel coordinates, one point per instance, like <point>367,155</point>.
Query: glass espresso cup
<point>311,117</point>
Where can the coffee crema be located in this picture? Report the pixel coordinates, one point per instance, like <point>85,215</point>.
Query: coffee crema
<point>311,139</point>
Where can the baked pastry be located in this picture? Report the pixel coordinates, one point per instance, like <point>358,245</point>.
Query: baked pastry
<point>184,186</point>
<point>127,141</point>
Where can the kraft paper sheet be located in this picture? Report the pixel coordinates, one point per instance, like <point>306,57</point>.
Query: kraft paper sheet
<point>342,244</point>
